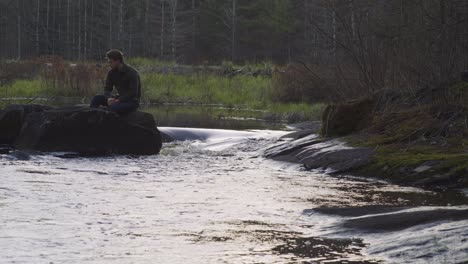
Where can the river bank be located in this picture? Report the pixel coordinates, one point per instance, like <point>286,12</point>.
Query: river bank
<point>230,86</point>
<point>410,147</point>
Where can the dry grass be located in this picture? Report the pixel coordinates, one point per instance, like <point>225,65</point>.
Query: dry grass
<point>56,75</point>
<point>300,82</point>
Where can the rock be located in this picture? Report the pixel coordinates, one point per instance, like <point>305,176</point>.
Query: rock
<point>12,118</point>
<point>89,132</point>
<point>422,168</point>
<point>289,147</point>
<point>312,125</point>
<point>446,179</point>
<point>299,134</point>
<point>314,153</point>
<point>303,129</point>
<point>20,155</point>
<point>344,119</point>
<point>426,166</point>
<point>340,160</point>
<point>356,210</point>
<point>404,219</point>
<point>5,149</point>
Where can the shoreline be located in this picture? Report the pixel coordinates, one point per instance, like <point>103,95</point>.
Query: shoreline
<point>338,156</point>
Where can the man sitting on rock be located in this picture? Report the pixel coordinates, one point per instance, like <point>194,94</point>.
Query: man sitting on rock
<point>126,80</point>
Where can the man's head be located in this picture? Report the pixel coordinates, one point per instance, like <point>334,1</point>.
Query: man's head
<point>115,58</point>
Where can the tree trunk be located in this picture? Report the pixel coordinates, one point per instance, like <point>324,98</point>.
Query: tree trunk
<point>110,24</point>
<point>194,30</point>
<point>173,28</point>
<point>60,30</point>
<point>233,30</point>
<point>47,25</point>
<point>85,53</point>
<point>353,20</point>
<point>162,28</point>
<point>37,27</point>
<point>54,37</point>
<point>147,31</point>
<point>68,29</point>
<point>334,33</point>
<point>18,57</point>
<point>120,40</point>
<point>90,50</point>
<point>79,30</point>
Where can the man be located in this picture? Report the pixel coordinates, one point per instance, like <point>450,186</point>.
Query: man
<point>127,82</point>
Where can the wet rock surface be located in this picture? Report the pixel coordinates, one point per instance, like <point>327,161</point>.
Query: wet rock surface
<point>405,219</point>
<point>79,129</point>
<point>315,152</point>
<point>356,211</point>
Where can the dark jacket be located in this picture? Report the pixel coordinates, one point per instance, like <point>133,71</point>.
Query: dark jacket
<point>127,82</point>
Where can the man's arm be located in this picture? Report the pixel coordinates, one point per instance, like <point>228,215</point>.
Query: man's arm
<point>109,86</point>
<point>132,93</point>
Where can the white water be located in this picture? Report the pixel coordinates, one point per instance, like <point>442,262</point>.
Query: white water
<point>204,200</point>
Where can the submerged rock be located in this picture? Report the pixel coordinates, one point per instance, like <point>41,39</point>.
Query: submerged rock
<point>328,250</point>
<point>83,130</point>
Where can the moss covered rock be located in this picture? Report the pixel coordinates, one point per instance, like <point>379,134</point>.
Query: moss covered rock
<point>344,119</point>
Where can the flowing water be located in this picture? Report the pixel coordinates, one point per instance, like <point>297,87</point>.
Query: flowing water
<point>210,197</point>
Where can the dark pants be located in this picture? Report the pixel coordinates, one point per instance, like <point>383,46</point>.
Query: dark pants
<point>119,108</point>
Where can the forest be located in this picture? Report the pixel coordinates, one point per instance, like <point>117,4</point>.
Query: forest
<point>354,47</point>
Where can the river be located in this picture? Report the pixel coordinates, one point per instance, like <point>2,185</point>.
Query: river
<point>211,197</point>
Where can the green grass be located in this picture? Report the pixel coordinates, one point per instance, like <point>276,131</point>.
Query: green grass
<point>24,88</point>
<point>311,111</point>
<point>240,91</point>
<point>189,85</point>
<point>396,165</point>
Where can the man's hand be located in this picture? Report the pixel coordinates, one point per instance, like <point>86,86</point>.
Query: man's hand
<point>112,101</point>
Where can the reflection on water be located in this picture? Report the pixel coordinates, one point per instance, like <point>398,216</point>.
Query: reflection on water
<point>211,117</point>
<point>202,116</point>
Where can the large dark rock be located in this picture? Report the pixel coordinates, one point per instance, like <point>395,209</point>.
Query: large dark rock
<point>89,132</point>
<point>344,119</point>
<point>12,118</point>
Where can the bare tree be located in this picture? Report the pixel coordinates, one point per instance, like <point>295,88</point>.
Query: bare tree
<point>19,33</point>
<point>163,20</point>
<point>173,7</point>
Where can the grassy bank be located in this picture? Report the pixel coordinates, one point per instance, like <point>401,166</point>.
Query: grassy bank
<point>198,87</point>
<point>424,146</point>
<point>244,91</point>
